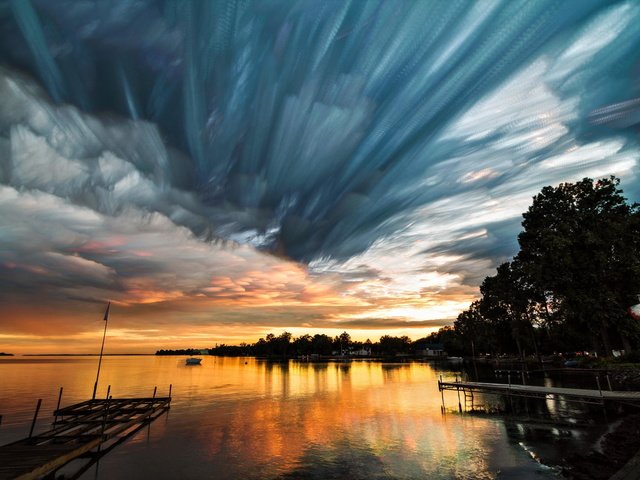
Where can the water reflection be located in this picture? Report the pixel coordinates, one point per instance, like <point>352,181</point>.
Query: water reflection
<point>245,418</point>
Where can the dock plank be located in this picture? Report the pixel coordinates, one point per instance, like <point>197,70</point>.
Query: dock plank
<point>22,461</point>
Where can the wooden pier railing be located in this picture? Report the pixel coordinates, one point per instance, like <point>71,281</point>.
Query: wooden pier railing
<point>533,391</point>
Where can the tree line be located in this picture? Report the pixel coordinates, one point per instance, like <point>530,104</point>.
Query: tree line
<point>571,284</point>
<point>286,345</point>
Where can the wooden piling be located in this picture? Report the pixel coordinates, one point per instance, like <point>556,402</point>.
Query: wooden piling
<point>106,414</point>
<point>59,398</point>
<point>55,419</point>
<point>35,417</point>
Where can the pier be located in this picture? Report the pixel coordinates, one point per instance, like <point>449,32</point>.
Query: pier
<point>582,395</point>
<point>83,431</point>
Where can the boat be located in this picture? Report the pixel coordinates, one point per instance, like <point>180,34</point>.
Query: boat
<point>193,361</point>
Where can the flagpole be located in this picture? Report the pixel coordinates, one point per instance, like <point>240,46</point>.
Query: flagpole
<point>106,321</point>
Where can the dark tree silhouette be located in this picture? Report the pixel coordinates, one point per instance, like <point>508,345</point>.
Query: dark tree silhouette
<point>580,245</point>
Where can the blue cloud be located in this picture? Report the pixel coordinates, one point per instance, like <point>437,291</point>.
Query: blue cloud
<point>326,131</point>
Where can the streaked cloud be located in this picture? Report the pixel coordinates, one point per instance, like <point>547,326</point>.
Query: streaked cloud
<point>372,194</point>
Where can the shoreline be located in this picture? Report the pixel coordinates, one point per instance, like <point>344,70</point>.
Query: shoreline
<point>616,454</point>
<point>618,448</point>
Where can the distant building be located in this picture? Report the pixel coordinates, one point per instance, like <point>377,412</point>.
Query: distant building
<point>431,350</point>
<point>363,352</point>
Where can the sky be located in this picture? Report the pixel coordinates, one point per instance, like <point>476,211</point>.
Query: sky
<point>222,170</point>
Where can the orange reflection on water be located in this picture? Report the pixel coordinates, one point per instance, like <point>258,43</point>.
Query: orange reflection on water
<point>246,418</point>
<point>392,409</point>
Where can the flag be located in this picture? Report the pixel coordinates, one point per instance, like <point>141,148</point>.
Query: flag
<point>106,313</point>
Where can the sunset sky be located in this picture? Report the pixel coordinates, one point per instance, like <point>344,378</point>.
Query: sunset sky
<point>222,170</point>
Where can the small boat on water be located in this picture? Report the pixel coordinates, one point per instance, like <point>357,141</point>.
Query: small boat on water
<point>193,361</point>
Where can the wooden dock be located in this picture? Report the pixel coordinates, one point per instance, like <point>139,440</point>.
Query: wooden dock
<point>533,391</point>
<point>76,432</point>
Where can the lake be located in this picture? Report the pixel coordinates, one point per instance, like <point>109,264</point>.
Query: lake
<point>235,418</point>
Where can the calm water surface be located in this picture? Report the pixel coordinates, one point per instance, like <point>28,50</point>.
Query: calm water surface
<point>237,418</point>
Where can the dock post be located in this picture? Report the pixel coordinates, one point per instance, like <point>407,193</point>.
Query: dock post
<point>55,420</point>
<point>170,387</point>
<point>108,391</point>
<point>458,391</point>
<point>604,407</point>
<point>155,389</point>
<point>104,417</point>
<point>441,393</point>
<point>35,417</point>
<point>609,383</point>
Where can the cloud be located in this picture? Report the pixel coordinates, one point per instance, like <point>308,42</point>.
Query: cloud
<point>317,144</point>
<point>133,257</point>
<point>384,167</point>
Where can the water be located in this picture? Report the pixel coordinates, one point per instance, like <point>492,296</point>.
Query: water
<point>245,418</point>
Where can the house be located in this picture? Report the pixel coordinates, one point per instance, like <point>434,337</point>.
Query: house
<point>431,350</point>
<point>363,352</point>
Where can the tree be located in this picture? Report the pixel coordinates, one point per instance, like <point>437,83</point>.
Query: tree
<point>303,344</point>
<point>344,341</point>
<point>581,245</point>
<point>509,302</point>
<point>282,343</point>
<point>474,330</point>
<point>392,345</point>
<point>322,344</point>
